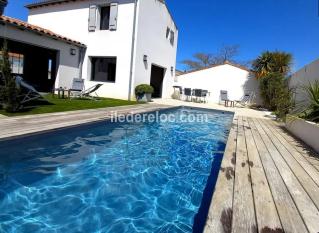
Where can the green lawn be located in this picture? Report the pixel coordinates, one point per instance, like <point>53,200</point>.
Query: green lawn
<point>63,105</point>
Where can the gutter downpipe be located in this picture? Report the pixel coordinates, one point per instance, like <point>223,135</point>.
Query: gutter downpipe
<point>132,51</point>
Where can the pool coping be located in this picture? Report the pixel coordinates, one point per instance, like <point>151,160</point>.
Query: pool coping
<point>36,131</point>
<point>125,110</point>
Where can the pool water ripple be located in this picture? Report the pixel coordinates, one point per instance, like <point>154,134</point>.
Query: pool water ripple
<point>111,177</point>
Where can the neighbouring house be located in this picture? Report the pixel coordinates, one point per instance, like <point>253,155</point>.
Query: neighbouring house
<point>127,43</point>
<point>303,77</point>
<point>40,56</point>
<point>235,79</point>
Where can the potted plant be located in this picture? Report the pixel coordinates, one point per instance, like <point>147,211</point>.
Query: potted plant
<point>3,4</point>
<point>144,93</point>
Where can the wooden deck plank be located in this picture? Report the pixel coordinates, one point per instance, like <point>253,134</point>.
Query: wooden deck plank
<point>304,203</point>
<point>244,219</point>
<point>304,165</point>
<point>266,212</point>
<point>221,209</point>
<point>289,215</point>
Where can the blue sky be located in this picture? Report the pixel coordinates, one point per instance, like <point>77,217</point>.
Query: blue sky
<point>254,25</point>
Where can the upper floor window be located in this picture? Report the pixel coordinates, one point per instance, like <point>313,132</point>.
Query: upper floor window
<point>172,38</point>
<point>105,18</point>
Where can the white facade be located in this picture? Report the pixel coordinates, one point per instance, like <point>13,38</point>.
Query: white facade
<point>303,77</point>
<point>68,64</point>
<point>148,19</point>
<point>235,80</point>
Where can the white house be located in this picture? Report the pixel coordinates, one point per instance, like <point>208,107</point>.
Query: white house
<point>40,56</point>
<point>302,78</point>
<point>128,42</point>
<point>235,79</point>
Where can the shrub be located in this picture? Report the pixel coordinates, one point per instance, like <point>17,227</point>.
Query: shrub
<point>9,93</point>
<point>276,94</point>
<point>143,89</point>
<point>311,111</point>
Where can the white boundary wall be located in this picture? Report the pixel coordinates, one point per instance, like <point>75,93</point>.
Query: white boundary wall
<point>236,81</point>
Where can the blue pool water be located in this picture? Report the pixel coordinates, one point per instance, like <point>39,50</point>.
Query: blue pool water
<point>112,177</point>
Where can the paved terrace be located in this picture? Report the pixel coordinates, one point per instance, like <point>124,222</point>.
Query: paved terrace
<point>268,181</point>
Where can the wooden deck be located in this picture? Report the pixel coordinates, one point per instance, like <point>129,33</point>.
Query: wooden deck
<point>11,127</point>
<point>268,182</point>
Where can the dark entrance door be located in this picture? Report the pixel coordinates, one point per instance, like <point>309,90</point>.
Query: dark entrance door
<point>157,77</point>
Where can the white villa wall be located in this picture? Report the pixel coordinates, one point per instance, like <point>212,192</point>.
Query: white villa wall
<point>224,77</point>
<point>71,20</point>
<point>303,77</point>
<point>68,64</point>
<point>153,20</point>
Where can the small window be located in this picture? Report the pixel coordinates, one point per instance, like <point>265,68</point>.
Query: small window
<point>16,61</point>
<point>103,69</point>
<point>172,37</point>
<point>167,32</point>
<point>49,69</point>
<point>105,18</point>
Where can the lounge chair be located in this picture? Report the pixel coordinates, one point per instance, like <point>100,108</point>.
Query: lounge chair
<point>78,89</point>
<point>245,100</point>
<point>87,93</point>
<point>29,93</point>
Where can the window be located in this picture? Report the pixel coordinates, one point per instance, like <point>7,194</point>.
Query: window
<point>49,69</point>
<point>105,18</point>
<point>167,32</point>
<point>172,38</point>
<point>16,61</point>
<point>103,69</point>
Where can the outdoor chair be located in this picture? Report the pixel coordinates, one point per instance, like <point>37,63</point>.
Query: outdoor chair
<point>204,95</point>
<point>245,100</point>
<point>198,95</point>
<point>92,90</point>
<point>77,87</point>
<point>29,93</point>
<point>223,96</point>
<point>188,94</point>
<point>178,89</point>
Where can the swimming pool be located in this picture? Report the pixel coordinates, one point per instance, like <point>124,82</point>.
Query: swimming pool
<point>112,177</point>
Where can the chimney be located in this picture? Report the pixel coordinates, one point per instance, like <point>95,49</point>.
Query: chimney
<point>3,4</point>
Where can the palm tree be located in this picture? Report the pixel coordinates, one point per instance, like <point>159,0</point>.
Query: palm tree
<point>272,62</point>
<point>263,64</point>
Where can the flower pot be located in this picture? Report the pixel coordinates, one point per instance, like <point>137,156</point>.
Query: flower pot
<point>3,4</point>
<point>146,97</point>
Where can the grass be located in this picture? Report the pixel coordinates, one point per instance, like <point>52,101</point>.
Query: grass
<point>63,105</point>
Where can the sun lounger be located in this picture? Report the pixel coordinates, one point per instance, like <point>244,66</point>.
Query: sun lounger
<point>29,93</point>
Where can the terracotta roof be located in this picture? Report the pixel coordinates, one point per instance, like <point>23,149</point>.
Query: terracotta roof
<point>225,63</point>
<point>24,25</point>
